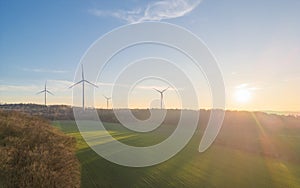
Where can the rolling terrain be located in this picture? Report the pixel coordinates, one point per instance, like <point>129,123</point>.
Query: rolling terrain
<point>251,150</point>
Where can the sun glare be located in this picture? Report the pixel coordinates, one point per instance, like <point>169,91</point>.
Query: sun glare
<point>243,95</point>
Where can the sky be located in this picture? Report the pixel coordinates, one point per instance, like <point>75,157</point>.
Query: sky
<point>256,44</point>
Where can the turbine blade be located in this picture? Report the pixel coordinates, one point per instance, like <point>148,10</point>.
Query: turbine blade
<point>50,92</point>
<point>76,84</point>
<point>107,98</point>
<point>165,89</point>
<point>40,92</point>
<point>82,72</point>
<point>157,90</point>
<point>91,83</point>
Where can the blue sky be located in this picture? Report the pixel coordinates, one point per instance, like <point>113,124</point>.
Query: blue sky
<point>257,44</point>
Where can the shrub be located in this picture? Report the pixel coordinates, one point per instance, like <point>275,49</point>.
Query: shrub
<point>35,154</point>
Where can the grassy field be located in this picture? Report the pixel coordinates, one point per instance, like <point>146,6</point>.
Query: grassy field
<point>249,156</point>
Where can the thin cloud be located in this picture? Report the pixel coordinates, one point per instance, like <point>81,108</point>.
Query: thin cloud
<point>242,86</point>
<point>44,70</point>
<point>59,85</point>
<point>61,82</point>
<point>104,84</point>
<point>18,87</point>
<point>156,87</point>
<point>112,84</point>
<point>248,86</point>
<point>53,85</point>
<point>137,87</point>
<point>155,11</point>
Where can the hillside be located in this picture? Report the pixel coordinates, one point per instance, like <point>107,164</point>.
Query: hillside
<point>34,154</point>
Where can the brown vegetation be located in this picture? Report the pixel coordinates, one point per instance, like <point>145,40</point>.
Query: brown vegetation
<point>34,154</point>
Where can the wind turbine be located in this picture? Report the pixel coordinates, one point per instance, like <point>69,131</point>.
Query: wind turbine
<point>161,96</point>
<point>45,91</point>
<point>83,81</point>
<point>107,100</point>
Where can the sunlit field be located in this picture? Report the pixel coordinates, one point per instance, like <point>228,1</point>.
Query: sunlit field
<point>252,150</point>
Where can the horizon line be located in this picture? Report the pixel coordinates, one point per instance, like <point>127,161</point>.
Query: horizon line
<point>277,112</point>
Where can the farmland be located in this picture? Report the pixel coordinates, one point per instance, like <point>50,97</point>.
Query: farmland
<point>251,150</point>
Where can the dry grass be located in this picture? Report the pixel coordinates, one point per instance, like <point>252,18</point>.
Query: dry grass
<point>34,154</point>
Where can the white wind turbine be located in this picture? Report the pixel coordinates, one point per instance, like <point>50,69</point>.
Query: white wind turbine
<point>45,91</point>
<point>107,100</point>
<point>83,81</point>
<point>161,96</point>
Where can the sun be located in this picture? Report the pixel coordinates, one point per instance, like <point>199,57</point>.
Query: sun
<point>242,95</point>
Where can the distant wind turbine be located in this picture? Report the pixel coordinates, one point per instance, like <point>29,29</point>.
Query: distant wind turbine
<point>161,96</point>
<point>83,81</point>
<point>45,91</point>
<point>107,100</point>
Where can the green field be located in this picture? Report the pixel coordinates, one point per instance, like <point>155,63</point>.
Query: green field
<point>249,157</point>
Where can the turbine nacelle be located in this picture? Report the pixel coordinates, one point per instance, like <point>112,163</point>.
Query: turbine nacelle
<point>107,100</point>
<point>45,91</point>
<point>161,95</point>
<point>83,81</point>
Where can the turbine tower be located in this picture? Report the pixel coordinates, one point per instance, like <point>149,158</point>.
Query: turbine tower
<point>83,81</point>
<point>107,100</point>
<point>161,96</point>
<point>45,91</point>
